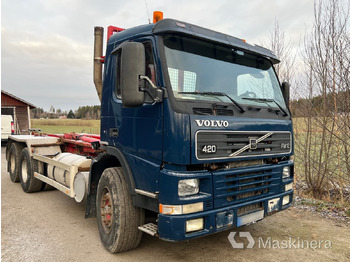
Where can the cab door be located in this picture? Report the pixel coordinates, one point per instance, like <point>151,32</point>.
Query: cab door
<point>138,132</point>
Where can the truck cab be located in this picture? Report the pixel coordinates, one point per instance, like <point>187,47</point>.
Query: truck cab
<point>196,137</point>
<point>201,126</point>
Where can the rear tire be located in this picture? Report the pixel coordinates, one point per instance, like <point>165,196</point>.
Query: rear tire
<point>26,173</point>
<point>13,162</point>
<point>117,218</point>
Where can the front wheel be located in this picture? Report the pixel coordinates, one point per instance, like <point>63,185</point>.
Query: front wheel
<point>118,219</point>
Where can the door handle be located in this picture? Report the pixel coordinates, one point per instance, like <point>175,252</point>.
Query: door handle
<point>114,132</point>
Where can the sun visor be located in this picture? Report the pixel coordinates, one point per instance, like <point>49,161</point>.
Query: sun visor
<point>174,26</point>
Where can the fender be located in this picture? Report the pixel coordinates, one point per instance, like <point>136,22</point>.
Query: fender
<point>138,200</point>
<point>112,157</point>
<point>113,151</point>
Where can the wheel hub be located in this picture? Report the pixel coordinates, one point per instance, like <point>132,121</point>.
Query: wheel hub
<point>12,163</point>
<point>106,210</point>
<point>24,171</point>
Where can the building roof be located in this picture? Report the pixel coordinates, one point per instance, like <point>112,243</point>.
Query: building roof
<point>8,99</point>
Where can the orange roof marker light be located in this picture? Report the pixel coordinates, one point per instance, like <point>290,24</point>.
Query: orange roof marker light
<point>157,16</point>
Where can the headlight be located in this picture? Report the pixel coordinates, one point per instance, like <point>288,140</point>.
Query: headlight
<point>194,225</point>
<point>286,172</point>
<point>188,187</point>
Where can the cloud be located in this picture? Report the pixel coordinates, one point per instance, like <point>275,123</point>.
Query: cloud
<point>47,46</point>
<point>48,69</point>
<point>50,49</point>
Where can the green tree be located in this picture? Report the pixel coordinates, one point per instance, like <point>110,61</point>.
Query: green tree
<point>71,114</point>
<point>52,109</point>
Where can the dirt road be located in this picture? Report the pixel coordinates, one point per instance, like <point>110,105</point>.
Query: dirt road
<point>49,226</point>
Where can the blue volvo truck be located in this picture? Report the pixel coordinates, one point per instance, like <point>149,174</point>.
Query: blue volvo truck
<point>196,137</point>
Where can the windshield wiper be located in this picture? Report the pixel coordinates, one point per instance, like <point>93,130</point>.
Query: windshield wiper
<point>267,100</point>
<point>216,94</point>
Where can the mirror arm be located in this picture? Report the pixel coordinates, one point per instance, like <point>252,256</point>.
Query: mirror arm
<point>156,97</point>
<point>148,80</point>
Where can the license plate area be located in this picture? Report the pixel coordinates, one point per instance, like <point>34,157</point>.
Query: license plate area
<point>250,218</point>
<point>273,205</point>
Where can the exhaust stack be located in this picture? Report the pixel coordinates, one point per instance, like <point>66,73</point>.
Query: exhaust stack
<point>98,60</point>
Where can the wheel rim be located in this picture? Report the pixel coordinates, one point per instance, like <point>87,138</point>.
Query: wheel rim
<point>24,171</point>
<point>106,210</point>
<point>12,163</point>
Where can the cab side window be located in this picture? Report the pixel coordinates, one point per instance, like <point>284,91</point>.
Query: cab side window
<point>118,90</point>
<point>150,66</point>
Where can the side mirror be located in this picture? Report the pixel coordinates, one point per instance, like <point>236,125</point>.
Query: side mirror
<point>132,67</point>
<point>286,92</point>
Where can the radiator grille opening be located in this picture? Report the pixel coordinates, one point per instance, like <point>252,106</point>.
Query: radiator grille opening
<point>248,185</point>
<point>235,187</point>
<point>249,208</point>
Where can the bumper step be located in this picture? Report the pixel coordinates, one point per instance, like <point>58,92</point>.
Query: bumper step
<point>149,228</point>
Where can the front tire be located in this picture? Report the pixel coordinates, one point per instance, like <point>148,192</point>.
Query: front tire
<point>118,219</point>
<point>26,173</point>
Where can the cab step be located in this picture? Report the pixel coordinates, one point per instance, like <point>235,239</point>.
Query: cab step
<point>149,228</point>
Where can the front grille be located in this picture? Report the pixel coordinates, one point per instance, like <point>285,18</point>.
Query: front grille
<point>245,184</point>
<point>241,144</point>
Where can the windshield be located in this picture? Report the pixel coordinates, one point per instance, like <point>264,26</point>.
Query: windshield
<point>200,70</point>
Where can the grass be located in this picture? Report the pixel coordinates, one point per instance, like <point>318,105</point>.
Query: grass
<point>322,205</point>
<point>59,126</point>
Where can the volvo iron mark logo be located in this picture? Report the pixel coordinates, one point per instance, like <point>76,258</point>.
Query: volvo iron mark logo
<point>212,123</point>
<point>253,144</point>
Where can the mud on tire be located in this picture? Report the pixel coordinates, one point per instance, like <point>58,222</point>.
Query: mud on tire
<point>117,218</point>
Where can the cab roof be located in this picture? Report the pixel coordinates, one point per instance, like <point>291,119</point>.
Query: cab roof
<point>178,27</point>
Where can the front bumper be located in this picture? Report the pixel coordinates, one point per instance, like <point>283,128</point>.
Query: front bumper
<point>173,227</point>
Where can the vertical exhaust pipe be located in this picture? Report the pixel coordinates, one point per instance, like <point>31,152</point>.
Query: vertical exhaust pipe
<point>98,50</point>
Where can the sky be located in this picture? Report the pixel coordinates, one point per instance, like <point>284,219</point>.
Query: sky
<point>47,45</point>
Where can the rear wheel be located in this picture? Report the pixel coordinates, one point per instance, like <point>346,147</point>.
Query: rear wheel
<point>13,162</point>
<point>118,219</point>
<point>26,173</point>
